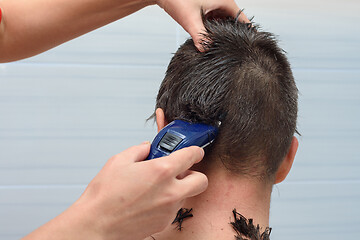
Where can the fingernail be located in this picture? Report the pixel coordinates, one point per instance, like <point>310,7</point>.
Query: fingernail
<point>202,152</point>
<point>146,142</point>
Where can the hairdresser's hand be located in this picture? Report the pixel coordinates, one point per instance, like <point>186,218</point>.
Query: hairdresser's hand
<point>131,198</point>
<point>188,14</point>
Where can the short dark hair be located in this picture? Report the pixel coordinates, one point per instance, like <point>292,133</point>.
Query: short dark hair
<point>244,80</point>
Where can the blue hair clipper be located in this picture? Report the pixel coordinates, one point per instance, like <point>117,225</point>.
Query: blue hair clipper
<point>180,134</point>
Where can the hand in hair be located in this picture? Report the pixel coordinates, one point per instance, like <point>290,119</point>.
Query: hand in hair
<point>188,13</point>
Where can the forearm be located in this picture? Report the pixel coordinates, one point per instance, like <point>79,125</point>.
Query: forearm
<point>75,223</point>
<point>30,27</point>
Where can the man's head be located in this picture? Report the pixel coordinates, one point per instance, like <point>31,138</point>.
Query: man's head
<point>243,80</point>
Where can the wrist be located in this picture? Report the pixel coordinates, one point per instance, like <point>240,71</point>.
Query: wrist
<point>73,223</point>
<point>82,214</point>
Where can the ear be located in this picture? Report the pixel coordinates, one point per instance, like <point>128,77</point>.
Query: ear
<point>286,164</point>
<point>160,119</point>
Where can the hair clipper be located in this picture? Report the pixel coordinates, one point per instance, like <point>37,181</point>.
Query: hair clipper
<point>180,134</point>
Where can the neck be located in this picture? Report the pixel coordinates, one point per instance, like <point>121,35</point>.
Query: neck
<point>212,210</point>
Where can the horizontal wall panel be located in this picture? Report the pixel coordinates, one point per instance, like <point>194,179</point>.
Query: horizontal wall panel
<point>329,109</point>
<point>312,32</point>
<point>71,80</point>
<point>315,210</point>
<point>22,210</point>
<point>75,151</point>
<point>92,101</point>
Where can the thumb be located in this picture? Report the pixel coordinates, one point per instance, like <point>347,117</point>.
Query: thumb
<point>189,17</point>
<point>195,27</point>
<point>135,153</point>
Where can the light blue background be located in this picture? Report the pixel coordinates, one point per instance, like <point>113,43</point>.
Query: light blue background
<point>65,112</point>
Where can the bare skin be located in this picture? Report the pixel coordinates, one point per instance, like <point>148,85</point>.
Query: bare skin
<point>31,27</point>
<point>212,209</point>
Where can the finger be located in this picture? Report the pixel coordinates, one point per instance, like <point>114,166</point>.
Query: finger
<point>183,159</point>
<point>135,153</point>
<point>198,39</point>
<point>193,184</point>
<point>189,18</point>
<point>183,174</point>
<point>195,27</point>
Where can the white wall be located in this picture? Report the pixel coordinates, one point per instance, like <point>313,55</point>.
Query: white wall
<point>65,112</point>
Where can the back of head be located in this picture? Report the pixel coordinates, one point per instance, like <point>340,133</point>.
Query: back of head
<point>244,80</point>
